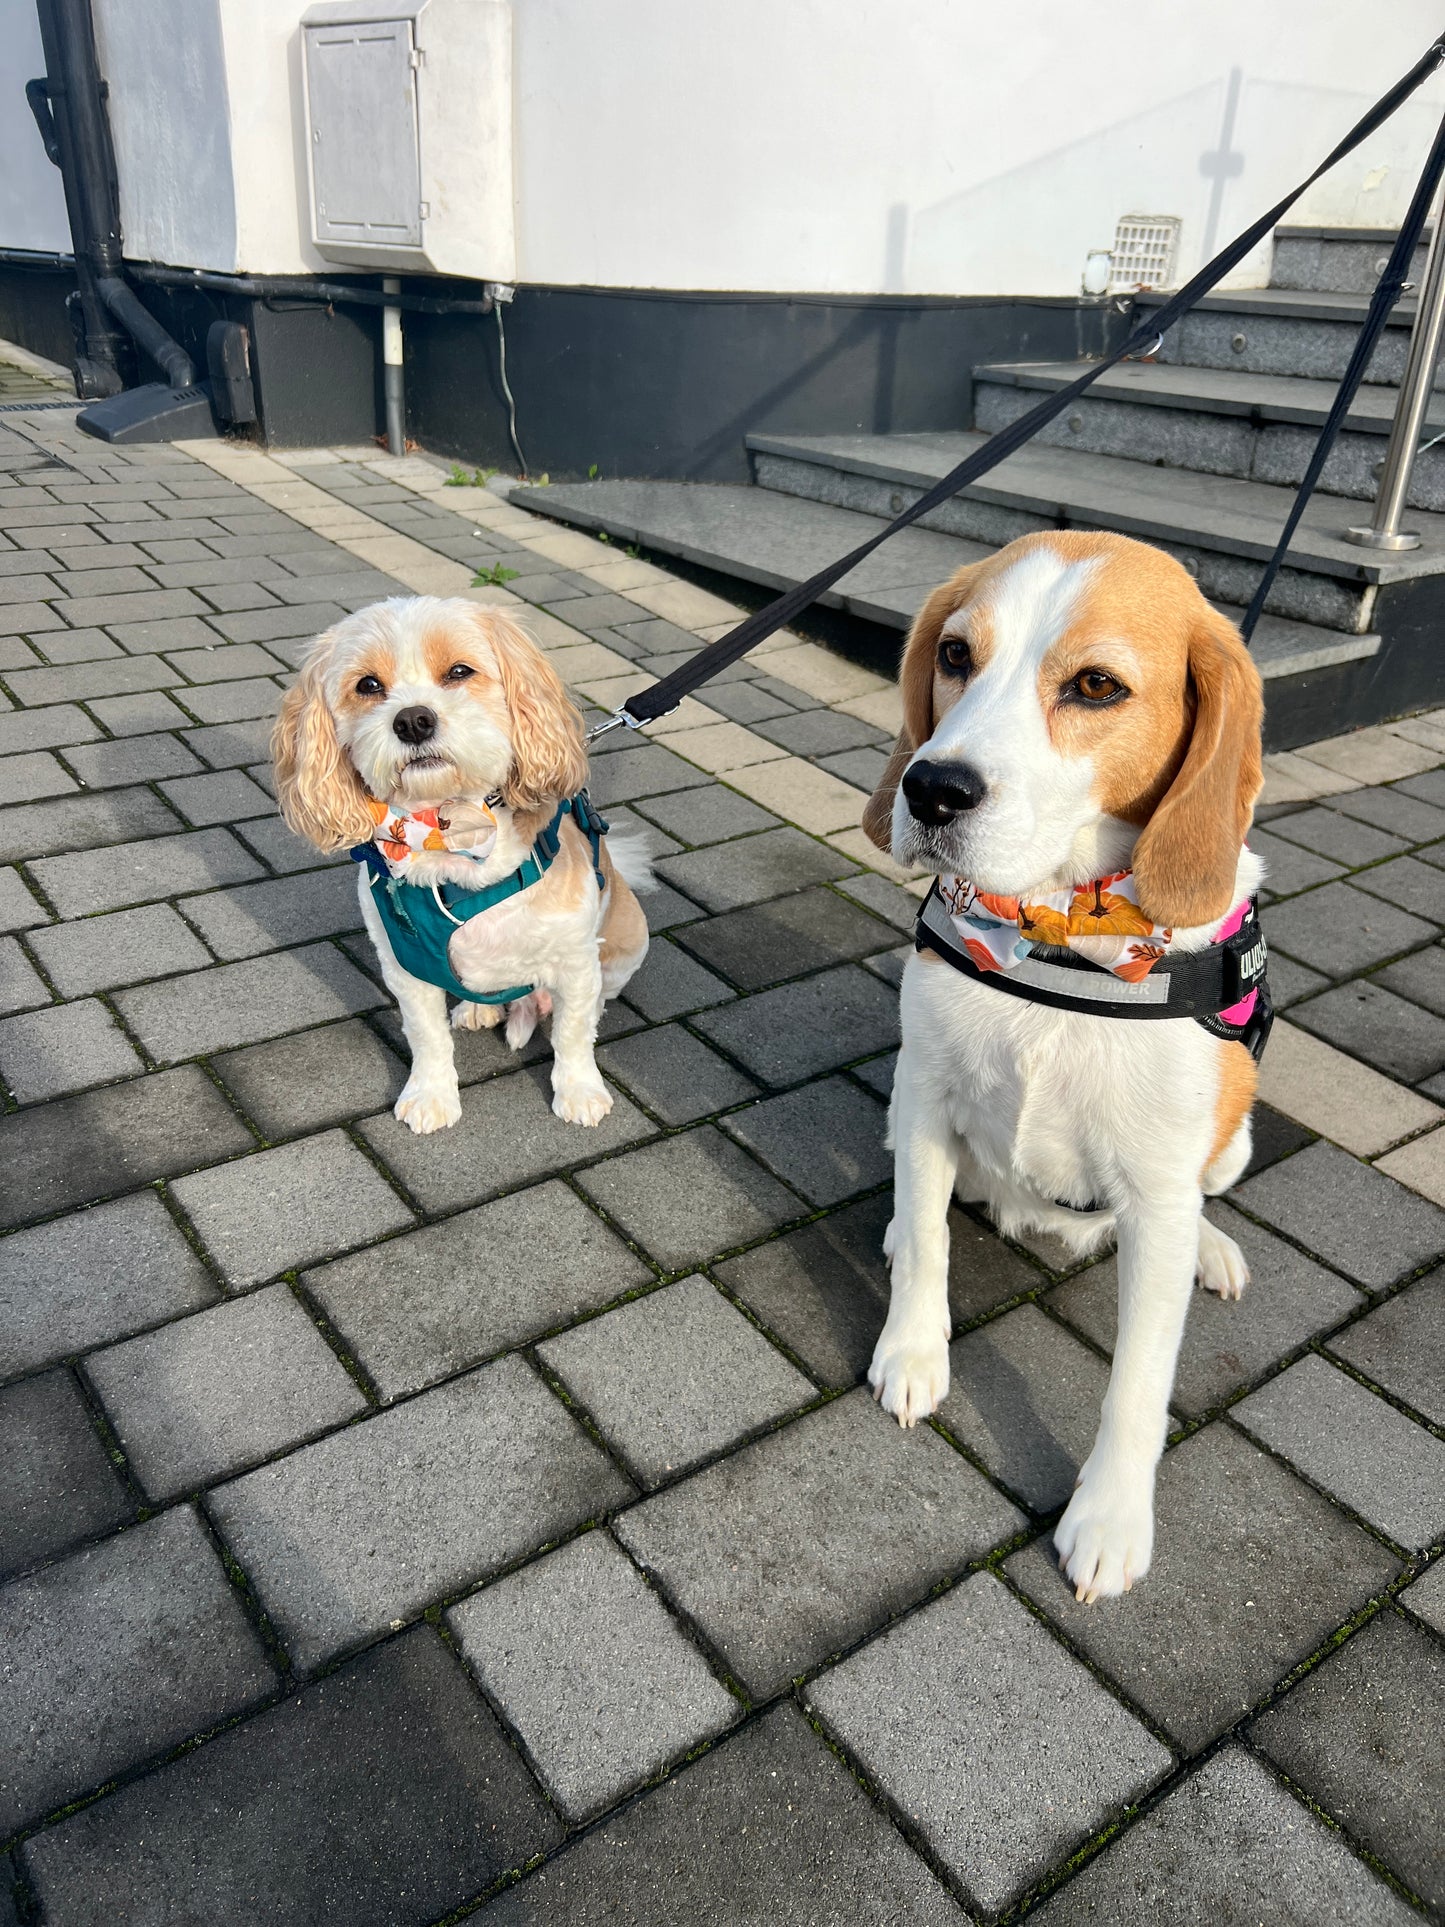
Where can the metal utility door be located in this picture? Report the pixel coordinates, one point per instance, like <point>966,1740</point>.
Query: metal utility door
<point>365,158</point>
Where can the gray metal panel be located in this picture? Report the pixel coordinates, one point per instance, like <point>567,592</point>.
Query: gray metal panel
<point>365,159</point>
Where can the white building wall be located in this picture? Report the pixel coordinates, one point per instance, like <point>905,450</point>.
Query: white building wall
<point>937,147</point>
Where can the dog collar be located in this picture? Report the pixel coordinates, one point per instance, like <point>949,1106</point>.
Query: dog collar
<point>1084,950</point>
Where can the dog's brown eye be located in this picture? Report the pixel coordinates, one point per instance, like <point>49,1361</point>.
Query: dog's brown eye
<point>955,656</point>
<point>371,686</point>
<point>459,672</point>
<point>1097,686</point>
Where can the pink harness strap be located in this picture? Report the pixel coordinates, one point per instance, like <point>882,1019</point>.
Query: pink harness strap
<point>1241,1012</point>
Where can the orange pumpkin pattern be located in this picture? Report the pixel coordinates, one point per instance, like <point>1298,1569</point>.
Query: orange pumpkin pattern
<point>401,835</point>
<point>1101,920</point>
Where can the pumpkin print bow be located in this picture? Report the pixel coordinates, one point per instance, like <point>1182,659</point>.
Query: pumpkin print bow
<point>401,835</point>
<point>1101,921</point>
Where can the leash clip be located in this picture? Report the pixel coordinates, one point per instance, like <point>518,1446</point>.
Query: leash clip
<point>618,720</point>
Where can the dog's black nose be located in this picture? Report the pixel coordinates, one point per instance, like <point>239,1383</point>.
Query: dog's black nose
<point>415,725</point>
<point>938,792</point>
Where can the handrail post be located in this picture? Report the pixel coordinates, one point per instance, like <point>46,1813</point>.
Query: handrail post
<point>1416,389</point>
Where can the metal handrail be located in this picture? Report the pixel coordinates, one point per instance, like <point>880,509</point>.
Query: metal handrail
<point>1383,530</point>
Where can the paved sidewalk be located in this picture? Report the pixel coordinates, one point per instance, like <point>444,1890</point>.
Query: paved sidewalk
<point>394,1528</point>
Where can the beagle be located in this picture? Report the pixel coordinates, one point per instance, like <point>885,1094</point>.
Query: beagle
<point>435,738</point>
<point>1074,714</point>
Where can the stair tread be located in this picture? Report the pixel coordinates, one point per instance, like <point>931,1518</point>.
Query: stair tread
<point>1216,391</point>
<point>1286,232</point>
<point>776,540</point>
<point>1078,487</point>
<point>1292,304</point>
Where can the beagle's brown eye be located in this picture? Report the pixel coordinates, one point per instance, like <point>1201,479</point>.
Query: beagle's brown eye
<point>371,686</point>
<point>459,672</point>
<point>954,656</point>
<point>1096,686</point>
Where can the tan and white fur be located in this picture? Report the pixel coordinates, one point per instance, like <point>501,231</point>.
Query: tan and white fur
<point>1111,719</point>
<point>501,722</point>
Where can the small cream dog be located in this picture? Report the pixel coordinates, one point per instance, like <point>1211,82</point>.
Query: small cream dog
<point>1075,714</point>
<point>437,732</point>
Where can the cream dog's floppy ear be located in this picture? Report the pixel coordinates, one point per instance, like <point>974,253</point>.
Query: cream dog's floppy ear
<point>549,755</point>
<point>321,796</point>
<point>1188,851</point>
<point>915,683</point>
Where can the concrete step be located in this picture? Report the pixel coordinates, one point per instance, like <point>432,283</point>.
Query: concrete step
<point>1278,331</point>
<point>1335,260</point>
<point>1221,529</point>
<point>1260,428</point>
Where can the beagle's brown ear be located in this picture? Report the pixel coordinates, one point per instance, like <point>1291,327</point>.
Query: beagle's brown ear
<point>549,753</point>
<point>915,685</point>
<point>321,796</point>
<point>1187,853</point>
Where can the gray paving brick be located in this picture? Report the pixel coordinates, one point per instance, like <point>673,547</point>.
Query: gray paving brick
<point>1024,1397</point>
<point>74,645</point>
<point>730,875</point>
<point>116,1654</point>
<point>1227,1842</point>
<point>645,770</point>
<point>1413,886</point>
<point>21,986</point>
<point>429,1304</point>
<point>795,1031</point>
<point>678,1078</point>
<point>28,619</point>
<point>383,1796</point>
<point>744,702</point>
<point>1401,1345</point>
<point>1001,1749</point>
<point>1386,1031</point>
<point>1394,810</point>
<point>1420,977</point>
<point>824,1289</point>
<point>286,910</point>
<point>145,605</point>
<point>1356,1219</point>
<point>261,625</point>
<point>1239,1542</point>
<point>665,908</point>
<point>826,1139</point>
<point>707,815</point>
<point>98,953</point>
<point>799,1543</point>
<point>1342,1437</point>
<point>319,1077</point>
<point>271,840</point>
<point>209,1395</point>
<point>1360,1735</point>
<point>765,943</point>
<point>233,702</point>
<point>587,1665</point>
<point>877,1074</point>
<point>134,759</point>
<point>1342,838</point>
<point>1341,930</point>
<point>227,745</point>
<point>93,1277</point>
<point>671,983</point>
<point>688,1197</point>
<point>87,881</point>
<point>1426,1597</point>
<point>222,662</point>
<point>348,1536</point>
<point>1288,1301</point>
<point>74,823</point>
<point>49,728</point>
<point>242,1003</point>
<point>88,681</point>
<point>1287,867</point>
<point>107,582</point>
<point>262,1215</point>
<point>33,774</point>
<point>57,1484</point>
<point>1429,785</point>
<point>674,1377</point>
<point>74,1150</point>
<point>65,1047</point>
<point>135,715</point>
<point>507,1135</point>
<point>769,1826</point>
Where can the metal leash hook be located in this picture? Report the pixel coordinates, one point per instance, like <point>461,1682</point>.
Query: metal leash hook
<point>619,719</point>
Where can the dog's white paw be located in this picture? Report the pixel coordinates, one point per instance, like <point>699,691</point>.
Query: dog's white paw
<point>470,1016</point>
<point>1105,1539</point>
<point>524,1016</point>
<point>581,1100</point>
<point>909,1373</point>
<point>1222,1266</point>
<point>428,1107</point>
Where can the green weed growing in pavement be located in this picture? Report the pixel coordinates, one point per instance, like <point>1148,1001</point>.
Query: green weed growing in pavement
<point>459,477</point>
<point>592,473</point>
<point>494,577</point>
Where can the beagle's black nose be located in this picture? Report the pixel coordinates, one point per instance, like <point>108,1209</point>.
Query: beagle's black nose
<point>415,725</point>
<point>938,792</point>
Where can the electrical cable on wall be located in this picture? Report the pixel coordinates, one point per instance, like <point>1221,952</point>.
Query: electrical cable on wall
<point>507,391</point>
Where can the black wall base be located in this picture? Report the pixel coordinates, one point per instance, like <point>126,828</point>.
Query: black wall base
<point>32,311</point>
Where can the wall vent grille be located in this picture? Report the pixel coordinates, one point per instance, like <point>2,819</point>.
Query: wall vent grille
<point>1143,253</point>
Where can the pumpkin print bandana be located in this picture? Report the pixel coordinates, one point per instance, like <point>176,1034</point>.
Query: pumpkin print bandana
<point>401,835</point>
<point>1101,921</point>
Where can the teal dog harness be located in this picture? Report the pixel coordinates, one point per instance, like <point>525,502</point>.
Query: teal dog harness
<point>419,918</point>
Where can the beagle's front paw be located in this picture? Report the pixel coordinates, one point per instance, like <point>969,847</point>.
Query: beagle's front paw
<point>909,1373</point>
<point>1105,1539</point>
<point>1222,1265</point>
<point>581,1100</point>
<point>428,1106</point>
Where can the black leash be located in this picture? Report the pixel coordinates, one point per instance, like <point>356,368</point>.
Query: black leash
<point>665,695</point>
